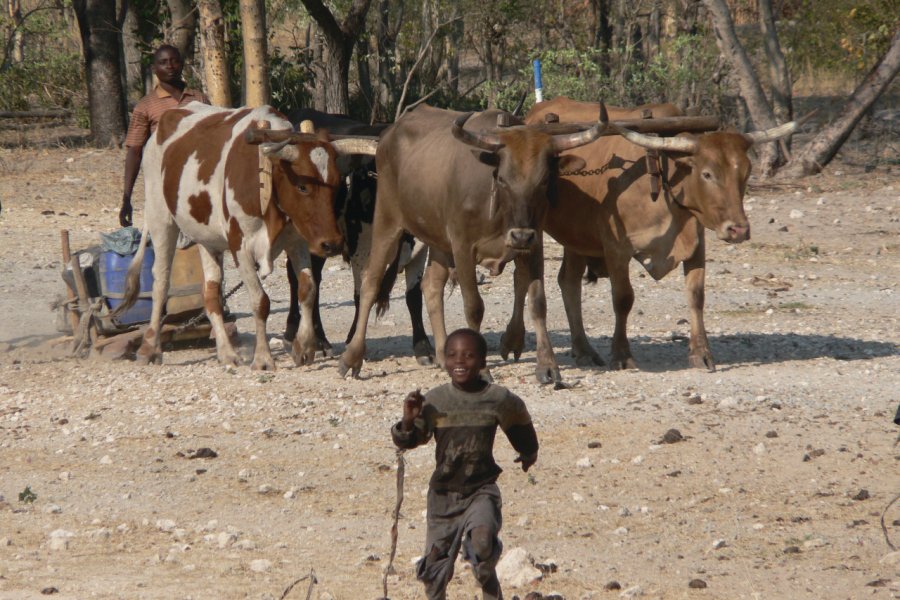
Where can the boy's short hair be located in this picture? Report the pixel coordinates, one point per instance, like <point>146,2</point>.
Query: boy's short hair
<point>480,342</point>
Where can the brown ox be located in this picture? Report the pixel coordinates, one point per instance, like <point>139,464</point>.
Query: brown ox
<point>203,177</point>
<point>606,219</point>
<point>477,202</point>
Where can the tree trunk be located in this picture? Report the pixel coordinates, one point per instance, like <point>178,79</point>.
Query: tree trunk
<point>215,61</point>
<point>16,50</point>
<point>338,45</point>
<point>819,152</point>
<point>386,40</point>
<point>100,45</point>
<point>778,70</point>
<point>748,84</point>
<point>256,68</point>
<point>603,33</point>
<point>184,24</point>
<point>131,53</point>
<point>452,44</point>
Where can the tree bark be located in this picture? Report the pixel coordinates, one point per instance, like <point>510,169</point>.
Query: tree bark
<point>748,83</point>
<point>256,68</point>
<point>338,41</point>
<point>131,54</point>
<point>16,50</point>
<point>184,24</point>
<point>778,70</point>
<point>212,43</point>
<point>819,152</point>
<point>100,47</point>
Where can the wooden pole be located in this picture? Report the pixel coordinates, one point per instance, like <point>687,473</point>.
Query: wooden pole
<point>70,293</point>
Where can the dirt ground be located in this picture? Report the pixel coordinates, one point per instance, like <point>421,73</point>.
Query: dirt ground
<point>778,490</point>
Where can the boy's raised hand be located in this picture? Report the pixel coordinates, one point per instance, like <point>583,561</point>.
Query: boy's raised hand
<point>412,408</point>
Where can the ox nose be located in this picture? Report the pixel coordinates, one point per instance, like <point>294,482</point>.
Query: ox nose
<point>330,248</point>
<point>735,233</point>
<point>520,238</point>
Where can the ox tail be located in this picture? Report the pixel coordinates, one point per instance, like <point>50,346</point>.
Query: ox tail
<point>383,299</point>
<point>133,277</point>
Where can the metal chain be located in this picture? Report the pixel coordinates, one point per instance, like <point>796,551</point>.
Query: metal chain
<point>584,172</point>
<point>202,314</point>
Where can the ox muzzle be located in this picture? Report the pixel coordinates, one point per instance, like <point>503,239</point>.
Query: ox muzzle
<point>521,239</point>
<point>733,233</point>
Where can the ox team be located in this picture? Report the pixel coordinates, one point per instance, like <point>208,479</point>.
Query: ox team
<point>242,181</point>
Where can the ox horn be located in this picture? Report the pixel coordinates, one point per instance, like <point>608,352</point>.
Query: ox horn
<point>672,144</point>
<point>770,135</point>
<point>579,138</point>
<point>284,150</point>
<point>518,108</point>
<point>485,141</point>
<point>355,146</point>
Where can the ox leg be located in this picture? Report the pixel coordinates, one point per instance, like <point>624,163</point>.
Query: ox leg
<point>212,301</point>
<point>473,305</point>
<point>384,249</point>
<point>259,302</point>
<point>306,342</point>
<point>699,355</point>
<point>414,271</point>
<point>513,339</point>
<point>569,280</point>
<point>434,282</point>
<point>547,369</point>
<point>293,318</point>
<point>623,300</point>
<point>164,240</point>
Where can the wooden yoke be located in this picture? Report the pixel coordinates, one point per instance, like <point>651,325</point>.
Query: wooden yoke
<point>265,173</point>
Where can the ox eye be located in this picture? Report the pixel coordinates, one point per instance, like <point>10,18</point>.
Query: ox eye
<point>708,176</point>
<point>304,189</point>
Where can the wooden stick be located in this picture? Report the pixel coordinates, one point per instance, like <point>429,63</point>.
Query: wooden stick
<point>70,293</point>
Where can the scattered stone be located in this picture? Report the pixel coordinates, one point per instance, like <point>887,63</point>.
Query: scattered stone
<point>516,569</point>
<point>672,436</point>
<point>796,214</point>
<point>695,398</point>
<point>165,525</point>
<point>759,449</point>
<point>675,473</point>
<point>772,434</point>
<point>815,543</point>
<point>47,591</point>
<point>621,531</point>
<point>576,497</point>
<point>584,463</point>
<point>5,541</point>
<point>863,494</point>
<point>892,559</point>
<point>100,534</point>
<point>245,545</point>
<point>106,460</point>
<point>792,550</point>
<point>260,565</point>
<point>729,402</point>
<point>198,453</point>
<point>719,544</point>
<point>632,592</point>
<point>59,539</point>
<point>624,512</point>
<point>697,584</point>
<point>65,476</point>
<point>226,539</point>
<point>547,567</point>
<point>612,586</point>
<point>594,444</point>
<point>813,454</point>
<point>52,509</point>
<point>878,583</point>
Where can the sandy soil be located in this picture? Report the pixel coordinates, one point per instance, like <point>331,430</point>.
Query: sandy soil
<point>777,491</point>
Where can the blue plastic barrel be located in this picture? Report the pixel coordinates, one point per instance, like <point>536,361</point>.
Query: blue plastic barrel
<point>113,269</point>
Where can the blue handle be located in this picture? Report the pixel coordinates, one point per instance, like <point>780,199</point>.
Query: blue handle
<point>538,84</point>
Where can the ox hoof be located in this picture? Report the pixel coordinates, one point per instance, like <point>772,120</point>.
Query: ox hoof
<point>148,359</point>
<point>263,365</point>
<point>425,361</point>
<point>514,343</point>
<point>229,359</point>
<point>547,375</point>
<point>325,349</point>
<point>589,359</point>
<point>424,353</point>
<point>623,364</point>
<point>344,368</point>
<point>702,361</point>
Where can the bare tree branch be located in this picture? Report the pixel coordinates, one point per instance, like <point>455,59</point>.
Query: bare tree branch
<point>418,62</point>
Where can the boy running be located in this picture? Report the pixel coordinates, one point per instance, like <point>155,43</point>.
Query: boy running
<point>463,497</point>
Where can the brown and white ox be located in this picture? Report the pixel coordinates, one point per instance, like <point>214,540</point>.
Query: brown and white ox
<point>605,218</point>
<point>203,177</point>
<point>479,202</point>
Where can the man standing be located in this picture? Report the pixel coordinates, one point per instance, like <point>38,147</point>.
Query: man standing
<point>170,92</point>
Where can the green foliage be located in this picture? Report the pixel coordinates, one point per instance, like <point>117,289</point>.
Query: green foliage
<point>48,82</point>
<point>287,79</point>
<point>26,496</point>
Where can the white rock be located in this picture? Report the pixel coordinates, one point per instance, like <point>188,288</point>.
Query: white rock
<point>758,526</point>
<point>796,214</point>
<point>621,531</point>
<point>584,462</point>
<point>100,534</point>
<point>265,489</point>
<point>260,565</point>
<point>65,476</point>
<point>729,402</point>
<point>166,525</point>
<point>5,541</point>
<point>637,459</point>
<point>226,539</point>
<point>632,592</point>
<point>59,539</point>
<point>760,449</point>
<point>52,509</point>
<point>516,569</point>
<point>523,521</point>
<point>106,460</point>
<point>245,545</point>
<point>290,494</point>
<point>815,543</point>
<point>719,544</point>
<point>577,497</point>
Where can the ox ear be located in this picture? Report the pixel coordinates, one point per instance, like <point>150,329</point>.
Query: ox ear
<point>489,158</point>
<point>570,163</point>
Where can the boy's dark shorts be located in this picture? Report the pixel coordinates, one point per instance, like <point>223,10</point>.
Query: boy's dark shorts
<point>451,516</point>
